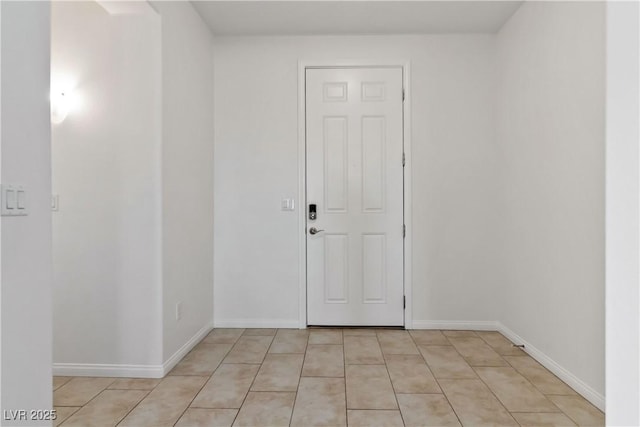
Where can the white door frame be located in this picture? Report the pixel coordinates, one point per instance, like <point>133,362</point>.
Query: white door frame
<point>302,176</point>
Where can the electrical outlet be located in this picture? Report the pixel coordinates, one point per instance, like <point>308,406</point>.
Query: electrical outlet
<point>178,311</point>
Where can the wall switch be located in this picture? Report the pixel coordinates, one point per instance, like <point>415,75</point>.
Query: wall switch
<point>14,200</point>
<point>288,205</point>
<point>21,200</point>
<point>10,199</point>
<point>178,311</point>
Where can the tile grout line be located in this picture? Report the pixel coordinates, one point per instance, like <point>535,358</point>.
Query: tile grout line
<point>386,367</point>
<point>90,400</point>
<point>478,377</point>
<point>518,372</point>
<point>344,368</point>
<point>134,407</point>
<point>481,380</point>
<point>273,337</point>
<point>295,398</point>
<point>200,390</point>
<point>68,416</point>
<point>436,380</point>
<point>493,394</point>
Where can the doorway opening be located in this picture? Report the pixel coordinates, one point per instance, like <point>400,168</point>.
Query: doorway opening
<point>355,182</point>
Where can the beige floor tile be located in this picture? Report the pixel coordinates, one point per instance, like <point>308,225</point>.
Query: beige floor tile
<point>539,376</point>
<point>369,387</point>
<point>426,410</point>
<point>266,409</point>
<point>64,412</point>
<point>334,377</point>
<point>445,362</point>
<point>279,372</point>
<point>166,403</point>
<point>134,384</point>
<point>249,349</point>
<point>223,336</point>
<point>410,374</point>
<point>362,350</point>
<point>360,332</point>
<point>541,419</point>
<point>320,402</point>
<point>476,352</point>
<point>107,409</point>
<point>514,391</point>
<point>579,410</point>
<point>323,360</point>
<point>80,390</point>
<point>202,360</point>
<point>60,381</point>
<point>198,417</point>
<point>374,418</point>
<point>325,336</point>
<point>290,341</point>
<point>460,334</point>
<point>474,403</point>
<point>396,342</point>
<point>227,387</point>
<point>257,332</point>
<point>500,343</point>
<point>422,337</point>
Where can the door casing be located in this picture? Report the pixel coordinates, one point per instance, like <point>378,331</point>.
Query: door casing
<point>302,175</point>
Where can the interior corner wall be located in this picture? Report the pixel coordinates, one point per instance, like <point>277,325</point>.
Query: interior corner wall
<point>187,176</point>
<point>106,171</point>
<point>551,89</point>
<point>256,165</point>
<point>26,241</point>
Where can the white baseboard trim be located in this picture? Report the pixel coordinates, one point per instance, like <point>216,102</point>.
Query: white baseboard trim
<point>469,325</point>
<point>130,371</point>
<point>257,323</point>
<point>597,399</point>
<point>176,357</point>
<point>107,370</point>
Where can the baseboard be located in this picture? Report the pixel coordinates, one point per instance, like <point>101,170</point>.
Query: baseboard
<point>186,348</point>
<point>597,399</point>
<point>107,370</point>
<point>469,325</point>
<point>130,371</point>
<point>256,323</point>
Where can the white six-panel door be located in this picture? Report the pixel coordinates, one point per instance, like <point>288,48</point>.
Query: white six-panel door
<point>354,143</point>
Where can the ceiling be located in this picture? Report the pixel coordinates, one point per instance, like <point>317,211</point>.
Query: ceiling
<point>267,17</point>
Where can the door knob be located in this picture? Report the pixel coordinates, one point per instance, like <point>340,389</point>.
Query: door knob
<point>314,230</point>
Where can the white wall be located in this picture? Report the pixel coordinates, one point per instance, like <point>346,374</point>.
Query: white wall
<point>551,88</point>
<point>106,170</point>
<point>26,241</point>
<point>256,245</point>
<point>623,215</point>
<point>133,167</point>
<point>187,173</point>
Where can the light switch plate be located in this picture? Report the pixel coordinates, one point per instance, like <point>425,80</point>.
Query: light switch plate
<point>14,200</point>
<point>288,205</point>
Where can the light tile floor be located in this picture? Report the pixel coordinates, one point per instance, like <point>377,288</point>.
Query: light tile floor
<point>334,377</point>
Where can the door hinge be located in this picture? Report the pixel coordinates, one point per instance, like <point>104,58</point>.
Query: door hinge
<point>402,94</point>
<point>404,230</point>
<point>404,159</point>
<point>404,302</point>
